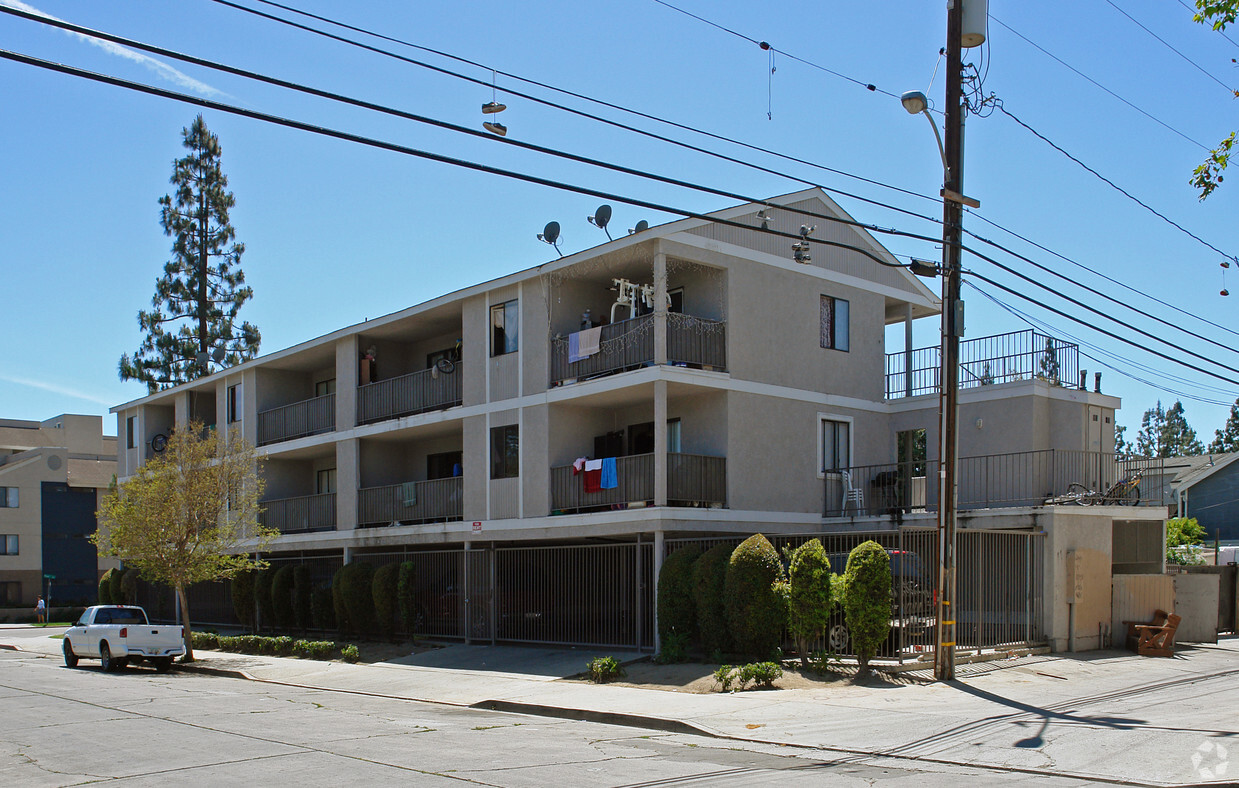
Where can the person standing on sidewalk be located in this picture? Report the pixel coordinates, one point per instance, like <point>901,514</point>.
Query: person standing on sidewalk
<point>40,611</point>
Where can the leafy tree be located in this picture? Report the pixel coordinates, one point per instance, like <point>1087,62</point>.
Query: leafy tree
<point>808,595</point>
<point>1121,447</point>
<point>1164,432</point>
<point>191,328</point>
<point>1227,438</point>
<point>187,513</point>
<point>756,610</point>
<point>867,599</point>
<point>1184,538</point>
<point>1208,176</point>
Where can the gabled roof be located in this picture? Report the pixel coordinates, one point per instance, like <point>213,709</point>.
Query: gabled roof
<point>1196,469</point>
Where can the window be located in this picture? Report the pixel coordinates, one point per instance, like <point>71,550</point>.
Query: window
<point>9,543</point>
<point>234,403</point>
<point>505,443</point>
<point>325,481</point>
<point>834,323</point>
<point>131,429</point>
<point>8,497</point>
<point>325,387</point>
<point>641,438</point>
<point>504,327</point>
<point>834,449</point>
<point>673,436</point>
<point>443,465</point>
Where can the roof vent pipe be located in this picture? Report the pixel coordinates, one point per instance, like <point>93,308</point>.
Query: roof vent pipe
<point>1096,382</point>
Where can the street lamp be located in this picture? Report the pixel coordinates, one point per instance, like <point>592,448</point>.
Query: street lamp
<point>915,103</point>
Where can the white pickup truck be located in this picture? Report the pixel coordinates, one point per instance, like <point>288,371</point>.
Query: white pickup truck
<point>117,635</point>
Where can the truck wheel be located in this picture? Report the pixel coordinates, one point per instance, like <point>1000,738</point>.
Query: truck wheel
<point>105,658</point>
<point>70,657</point>
<point>163,664</point>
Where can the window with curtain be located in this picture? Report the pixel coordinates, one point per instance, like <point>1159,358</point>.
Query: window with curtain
<point>504,328</point>
<point>834,448</point>
<point>505,443</point>
<point>835,333</point>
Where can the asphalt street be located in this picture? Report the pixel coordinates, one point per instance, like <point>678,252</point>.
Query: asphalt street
<point>70,727</point>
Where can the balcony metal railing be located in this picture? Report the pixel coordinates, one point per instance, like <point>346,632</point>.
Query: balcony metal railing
<point>416,392</point>
<point>299,515</point>
<point>692,479</point>
<point>1020,355</point>
<point>438,500</point>
<point>993,481</point>
<point>629,344</point>
<point>308,417</point>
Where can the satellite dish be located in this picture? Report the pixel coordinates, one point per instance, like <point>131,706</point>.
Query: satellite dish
<point>550,235</point>
<point>218,354</point>
<point>201,358</point>
<point>600,219</point>
<point>641,227</point>
<point>159,442</point>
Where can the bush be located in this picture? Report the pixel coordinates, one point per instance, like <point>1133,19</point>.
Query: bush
<point>337,600</point>
<point>303,587</point>
<point>230,644</point>
<point>674,649</point>
<point>756,612</point>
<point>322,612</point>
<point>262,596</point>
<point>709,579</point>
<point>115,591</point>
<point>867,600</point>
<point>105,588</point>
<point>250,644</point>
<point>761,674</point>
<point>1184,541</point>
<point>808,596</point>
<point>349,653</point>
<point>243,598</point>
<point>604,669</point>
<point>280,646</point>
<point>405,595</point>
<point>383,592</point>
<point>129,586</point>
<point>205,640</point>
<point>313,649</point>
<point>677,612</point>
<point>355,583</point>
<point>723,677</point>
<point>282,597</point>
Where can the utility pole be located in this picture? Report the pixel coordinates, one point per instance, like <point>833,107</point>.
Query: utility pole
<point>952,329</point>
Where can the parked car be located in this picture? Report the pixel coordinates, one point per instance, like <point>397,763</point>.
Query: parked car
<point>119,635</point>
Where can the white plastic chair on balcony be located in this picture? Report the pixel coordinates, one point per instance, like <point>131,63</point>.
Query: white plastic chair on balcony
<point>854,495</point>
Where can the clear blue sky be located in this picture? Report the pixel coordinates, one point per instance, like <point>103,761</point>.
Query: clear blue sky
<point>336,233</point>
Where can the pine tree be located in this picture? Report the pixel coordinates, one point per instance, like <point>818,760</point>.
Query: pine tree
<point>1121,447</point>
<point>1166,433</point>
<point>1148,439</point>
<point>191,329</point>
<point>1227,438</point>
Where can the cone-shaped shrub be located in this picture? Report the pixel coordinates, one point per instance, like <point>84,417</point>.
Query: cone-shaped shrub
<point>105,588</point>
<point>383,591</point>
<point>262,595</point>
<point>322,611</point>
<point>355,583</point>
<point>709,581</point>
<point>867,599</point>
<point>808,596</point>
<point>405,590</point>
<point>756,611</point>
<point>303,589</point>
<point>677,610</point>
<point>243,597</point>
<point>282,597</point>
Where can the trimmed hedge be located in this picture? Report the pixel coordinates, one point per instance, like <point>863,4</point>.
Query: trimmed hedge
<point>282,597</point>
<point>677,611</point>
<point>867,599</point>
<point>105,588</point>
<point>254,644</point>
<point>406,596</point>
<point>115,592</point>
<point>337,600</point>
<point>129,586</point>
<point>756,611</point>
<point>262,595</point>
<point>383,592</point>
<point>303,588</point>
<point>243,597</point>
<point>808,596</point>
<point>354,582</point>
<point>709,581</point>
<point>322,613</point>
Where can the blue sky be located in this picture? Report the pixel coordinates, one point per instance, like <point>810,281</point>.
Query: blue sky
<point>336,232</point>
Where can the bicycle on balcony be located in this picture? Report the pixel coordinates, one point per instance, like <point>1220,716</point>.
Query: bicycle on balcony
<point>1124,492</point>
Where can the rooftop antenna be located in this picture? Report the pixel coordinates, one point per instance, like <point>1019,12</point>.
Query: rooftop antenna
<point>600,219</point>
<point>641,227</point>
<point>550,235</point>
<point>493,107</point>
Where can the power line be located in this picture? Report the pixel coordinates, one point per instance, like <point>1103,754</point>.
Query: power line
<point>1170,46</point>
<point>1081,74</point>
<point>1115,186</point>
<point>561,107</point>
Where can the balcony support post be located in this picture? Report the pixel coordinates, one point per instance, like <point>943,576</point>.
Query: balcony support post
<point>907,349</point>
<point>348,481</point>
<point>660,442</point>
<point>660,311</point>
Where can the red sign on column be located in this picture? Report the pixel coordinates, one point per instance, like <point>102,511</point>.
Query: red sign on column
<point>477,526</point>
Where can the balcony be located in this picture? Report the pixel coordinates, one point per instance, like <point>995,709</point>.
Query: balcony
<point>692,480</point>
<point>994,481</point>
<point>629,344</point>
<point>300,515</point>
<point>438,500</point>
<point>308,417</point>
<point>985,361</point>
<point>406,395</point>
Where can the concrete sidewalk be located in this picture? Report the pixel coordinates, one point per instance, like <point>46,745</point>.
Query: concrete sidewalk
<point>1102,716</point>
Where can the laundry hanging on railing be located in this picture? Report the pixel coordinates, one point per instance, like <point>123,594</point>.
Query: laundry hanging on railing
<point>583,344</point>
<point>593,476</point>
<point>610,476</point>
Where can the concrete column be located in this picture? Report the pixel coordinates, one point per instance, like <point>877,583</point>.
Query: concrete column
<point>659,549</point>
<point>181,409</point>
<point>660,312</point>
<point>249,405</point>
<point>348,479</point>
<point>348,555</point>
<point>347,357</point>
<point>660,442</point>
<point>907,344</point>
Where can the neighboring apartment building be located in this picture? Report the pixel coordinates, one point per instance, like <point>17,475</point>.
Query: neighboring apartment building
<point>728,399</point>
<point>52,476</point>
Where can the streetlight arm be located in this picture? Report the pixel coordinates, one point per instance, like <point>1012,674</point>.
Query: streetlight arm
<point>946,170</point>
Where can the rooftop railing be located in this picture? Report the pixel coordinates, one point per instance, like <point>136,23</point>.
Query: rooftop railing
<point>1020,355</point>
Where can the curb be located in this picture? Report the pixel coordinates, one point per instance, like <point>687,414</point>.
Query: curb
<point>589,715</point>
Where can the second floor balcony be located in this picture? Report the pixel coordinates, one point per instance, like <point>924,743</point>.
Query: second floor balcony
<point>692,480</point>
<point>411,503</point>
<point>696,342</point>
<point>417,392</point>
<point>302,514</point>
<point>297,420</point>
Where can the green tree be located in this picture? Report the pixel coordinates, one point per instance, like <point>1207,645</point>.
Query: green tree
<point>1227,438</point>
<point>1208,175</point>
<point>808,595</point>
<point>191,329</point>
<point>1184,538</point>
<point>189,515</point>
<point>1164,432</point>
<point>756,610</point>
<point>1121,447</point>
<point>867,599</point>
<point>1049,362</point>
